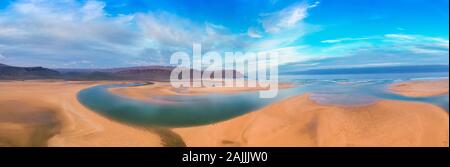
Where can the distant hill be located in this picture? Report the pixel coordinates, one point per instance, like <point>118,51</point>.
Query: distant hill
<point>20,73</point>
<point>89,76</point>
<point>155,73</point>
<point>162,73</point>
<point>374,70</point>
<point>142,73</point>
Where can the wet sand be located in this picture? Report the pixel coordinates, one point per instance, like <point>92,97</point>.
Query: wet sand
<point>421,88</point>
<point>26,124</point>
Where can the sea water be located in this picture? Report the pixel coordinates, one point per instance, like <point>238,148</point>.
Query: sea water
<point>215,107</point>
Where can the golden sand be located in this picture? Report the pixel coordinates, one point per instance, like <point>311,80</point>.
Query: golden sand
<point>296,121</point>
<point>78,125</point>
<point>421,88</point>
<point>26,124</point>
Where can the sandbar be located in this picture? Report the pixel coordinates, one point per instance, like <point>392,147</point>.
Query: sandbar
<point>421,88</point>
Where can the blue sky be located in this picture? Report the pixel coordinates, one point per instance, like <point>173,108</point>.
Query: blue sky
<point>306,34</point>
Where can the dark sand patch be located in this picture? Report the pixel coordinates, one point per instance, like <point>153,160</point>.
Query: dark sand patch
<point>230,143</point>
<point>26,124</point>
<point>168,137</point>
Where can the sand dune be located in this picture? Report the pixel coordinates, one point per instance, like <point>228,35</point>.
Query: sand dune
<point>421,88</point>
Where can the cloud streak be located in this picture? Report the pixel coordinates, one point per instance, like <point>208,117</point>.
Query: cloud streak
<point>383,50</point>
<point>344,40</point>
<point>287,18</point>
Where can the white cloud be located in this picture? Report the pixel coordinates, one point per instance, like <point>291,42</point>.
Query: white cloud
<point>383,64</point>
<point>292,54</point>
<point>419,44</point>
<point>166,28</point>
<point>281,39</point>
<point>344,40</point>
<point>382,50</point>
<point>315,4</point>
<point>283,28</point>
<point>422,50</point>
<point>399,37</point>
<point>93,10</point>
<point>286,18</point>
<point>439,42</point>
<point>253,33</point>
<point>280,30</point>
<point>55,32</point>
<point>2,57</point>
<point>172,31</point>
<point>414,38</point>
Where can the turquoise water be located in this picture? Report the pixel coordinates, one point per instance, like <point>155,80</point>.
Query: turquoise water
<point>188,111</point>
<point>363,89</point>
<point>211,108</point>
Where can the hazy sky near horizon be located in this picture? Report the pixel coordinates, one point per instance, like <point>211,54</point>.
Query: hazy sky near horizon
<point>307,34</point>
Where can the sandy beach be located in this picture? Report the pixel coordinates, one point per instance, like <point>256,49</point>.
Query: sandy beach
<point>298,121</point>
<point>49,114</point>
<point>77,125</point>
<point>421,88</point>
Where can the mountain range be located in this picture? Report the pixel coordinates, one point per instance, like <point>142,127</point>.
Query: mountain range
<point>13,73</point>
<point>162,73</point>
<point>154,73</point>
